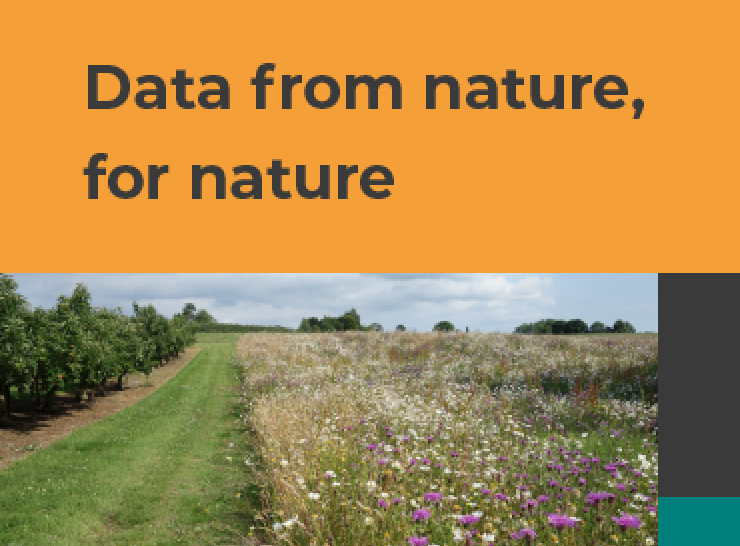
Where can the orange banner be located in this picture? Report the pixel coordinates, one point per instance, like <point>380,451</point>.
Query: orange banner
<point>383,136</point>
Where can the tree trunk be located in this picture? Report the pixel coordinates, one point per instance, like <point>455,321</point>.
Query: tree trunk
<point>6,394</point>
<point>120,382</point>
<point>37,393</point>
<point>49,404</point>
<point>81,391</point>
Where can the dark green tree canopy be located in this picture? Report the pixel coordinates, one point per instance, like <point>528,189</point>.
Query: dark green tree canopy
<point>623,327</point>
<point>597,328</point>
<point>204,317</point>
<point>348,321</point>
<point>188,311</point>
<point>40,350</point>
<point>574,326</point>
<point>444,326</point>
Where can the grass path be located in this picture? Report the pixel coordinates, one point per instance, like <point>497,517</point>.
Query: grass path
<point>168,470</point>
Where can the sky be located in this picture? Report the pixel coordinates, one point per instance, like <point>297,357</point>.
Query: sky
<point>487,302</point>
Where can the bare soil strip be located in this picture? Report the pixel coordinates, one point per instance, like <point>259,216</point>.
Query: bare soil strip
<point>29,431</point>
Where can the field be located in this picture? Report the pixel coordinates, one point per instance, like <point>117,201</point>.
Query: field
<point>405,438</point>
<point>166,470</point>
<point>354,439</point>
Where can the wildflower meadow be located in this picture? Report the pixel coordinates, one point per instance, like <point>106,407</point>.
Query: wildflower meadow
<point>389,439</point>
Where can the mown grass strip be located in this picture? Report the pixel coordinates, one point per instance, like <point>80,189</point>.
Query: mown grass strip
<point>168,470</point>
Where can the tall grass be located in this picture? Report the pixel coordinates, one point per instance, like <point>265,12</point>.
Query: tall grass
<point>405,438</point>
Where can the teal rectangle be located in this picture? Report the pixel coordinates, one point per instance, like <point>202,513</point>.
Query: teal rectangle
<point>698,520</point>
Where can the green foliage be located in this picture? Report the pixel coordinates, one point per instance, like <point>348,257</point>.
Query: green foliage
<point>444,326</point>
<point>400,328</point>
<point>15,342</point>
<point>573,326</point>
<point>204,317</point>
<point>76,343</point>
<point>188,311</point>
<point>576,326</point>
<point>348,321</point>
<point>351,320</point>
<point>623,327</point>
<point>597,328</point>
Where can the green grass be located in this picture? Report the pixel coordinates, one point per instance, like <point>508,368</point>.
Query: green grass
<point>155,473</point>
<point>203,339</point>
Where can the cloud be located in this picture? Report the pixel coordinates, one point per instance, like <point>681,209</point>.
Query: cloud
<point>486,301</point>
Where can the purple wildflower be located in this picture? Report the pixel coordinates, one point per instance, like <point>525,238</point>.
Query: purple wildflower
<point>595,498</point>
<point>421,514</point>
<point>382,503</point>
<point>524,533</point>
<point>467,520</point>
<point>418,541</point>
<point>372,447</point>
<point>433,497</point>
<point>558,521</point>
<point>627,521</point>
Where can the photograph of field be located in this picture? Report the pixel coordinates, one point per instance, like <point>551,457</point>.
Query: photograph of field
<point>447,438</point>
<point>188,423</point>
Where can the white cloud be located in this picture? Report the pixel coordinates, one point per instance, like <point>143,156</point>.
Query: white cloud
<point>488,302</point>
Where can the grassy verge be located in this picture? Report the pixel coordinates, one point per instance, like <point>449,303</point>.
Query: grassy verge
<point>168,470</point>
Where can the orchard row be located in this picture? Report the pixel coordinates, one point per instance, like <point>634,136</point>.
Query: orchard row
<point>45,350</point>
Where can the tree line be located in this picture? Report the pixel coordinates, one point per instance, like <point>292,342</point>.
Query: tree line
<point>205,323</point>
<point>45,350</point>
<point>348,321</point>
<point>574,326</point>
